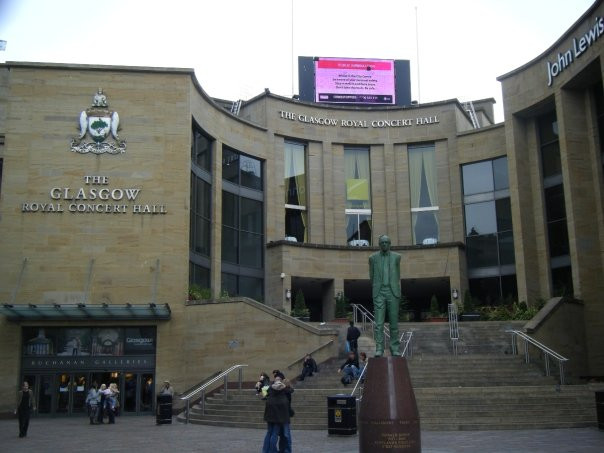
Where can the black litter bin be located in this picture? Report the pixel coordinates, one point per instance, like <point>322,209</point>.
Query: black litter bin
<point>600,409</point>
<point>164,409</point>
<point>342,414</point>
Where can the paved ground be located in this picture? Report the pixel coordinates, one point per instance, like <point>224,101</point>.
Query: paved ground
<point>140,434</point>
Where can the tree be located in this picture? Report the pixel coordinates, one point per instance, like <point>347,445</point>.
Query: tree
<point>300,310</point>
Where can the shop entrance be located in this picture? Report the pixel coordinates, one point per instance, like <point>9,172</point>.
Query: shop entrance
<point>65,393</point>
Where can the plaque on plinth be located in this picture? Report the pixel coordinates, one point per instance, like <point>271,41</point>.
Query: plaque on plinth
<point>388,417</point>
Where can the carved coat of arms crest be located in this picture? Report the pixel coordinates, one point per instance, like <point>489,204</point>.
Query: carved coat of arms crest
<point>99,122</point>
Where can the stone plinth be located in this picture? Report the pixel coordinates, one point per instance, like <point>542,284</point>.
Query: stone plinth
<point>388,418</point>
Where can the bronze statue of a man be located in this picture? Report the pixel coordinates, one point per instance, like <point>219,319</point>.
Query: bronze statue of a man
<point>385,276</point>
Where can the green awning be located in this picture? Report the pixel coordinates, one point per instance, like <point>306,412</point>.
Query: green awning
<point>85,312</point>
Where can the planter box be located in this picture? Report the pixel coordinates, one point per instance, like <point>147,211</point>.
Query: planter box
<point>438,319</point>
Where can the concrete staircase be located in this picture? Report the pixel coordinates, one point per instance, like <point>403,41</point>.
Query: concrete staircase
<point>473,391</point>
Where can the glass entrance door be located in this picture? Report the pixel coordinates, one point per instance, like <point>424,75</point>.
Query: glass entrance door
<point>79,390</point>
<point>63,387</point>
<point>45,391</point>
<point>130,385</point>
<point>146,392</point>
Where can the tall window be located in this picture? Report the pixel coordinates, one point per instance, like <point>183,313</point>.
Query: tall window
<point>424,193</point>
<point>489,237</point>
<point>555,209</point>
<point>358,196</point>
<point>296,214</point>
<point>200,212</point>
<point>201,149</point>
<point>242,225</point>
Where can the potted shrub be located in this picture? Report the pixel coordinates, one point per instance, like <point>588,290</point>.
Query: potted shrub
<point>300,310</point>
<point>196,292</point>
<point>342,308</point>
<point>435,313</point>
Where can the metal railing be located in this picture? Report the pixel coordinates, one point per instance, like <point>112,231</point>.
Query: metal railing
<point>365,319</point>
<point>547,352</point>
<point>453,327</point>
<point>202,388</point>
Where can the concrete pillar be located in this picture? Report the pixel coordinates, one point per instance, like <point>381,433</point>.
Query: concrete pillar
<point>216,224</point>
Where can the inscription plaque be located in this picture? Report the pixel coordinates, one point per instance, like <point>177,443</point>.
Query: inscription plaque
<point>388,417</point>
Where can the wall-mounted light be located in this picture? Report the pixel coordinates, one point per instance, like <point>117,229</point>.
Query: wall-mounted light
<point>288,294</point>
<point>282,275</point>
<point>455,294</point>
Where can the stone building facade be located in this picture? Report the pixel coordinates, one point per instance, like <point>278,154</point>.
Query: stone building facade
<point>114,200</point>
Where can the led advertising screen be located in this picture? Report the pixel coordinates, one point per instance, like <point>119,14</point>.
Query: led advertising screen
<point>354,81</point>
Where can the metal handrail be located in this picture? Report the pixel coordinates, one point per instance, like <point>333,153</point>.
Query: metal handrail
<point>366,317</point>
<point>310,353</point>
<point>547,352</point>
<point>359,380</point>
<point>453,327</point>
<point>407,338</point>
<point>202,388</point>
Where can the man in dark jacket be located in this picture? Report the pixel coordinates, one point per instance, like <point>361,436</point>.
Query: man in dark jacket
<point>276,415</point>
<point>25,403</point>
<point>309,366</point>
<point>350,368</point>
<point>352,335</point>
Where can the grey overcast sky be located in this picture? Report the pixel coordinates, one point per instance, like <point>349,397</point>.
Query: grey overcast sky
<point>240,47</point>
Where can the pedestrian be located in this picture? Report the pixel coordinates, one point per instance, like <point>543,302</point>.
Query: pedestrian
<point>309,366</point>
<point>362,364</point>
<point>112,401</point>
<point>352,335</point>
<point>262,385</point>
<point>25,404</point>
<point>167,389</point>
<point>350,368</point>
<point>278,374</point>
<point>276,415</point>
<point>102,403</point>
<point>92,402</point>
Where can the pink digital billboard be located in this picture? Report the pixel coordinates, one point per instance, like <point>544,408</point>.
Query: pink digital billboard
<point>354,81</point>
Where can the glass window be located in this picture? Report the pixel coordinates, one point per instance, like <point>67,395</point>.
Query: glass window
<point>478,177</point>
<point>562,281</point>
<point>230,165</point>
<point>199,275</point>
<point>358,228</point>
<point>554,203</point>
<point>500,173</point>
<point>504,214</point>
<point>201,149</point>
<point>548,128</point>
<point>295,174</point>
<point>509,287</point>
<point>487,290</point>
<point>251,287</point>
<point>230,209</point>
<point>358,178</point>
<point>295,224</point>
<point>506,248</point>
<point>557,234</point>
<point>422,176</point>
<point>199,228</point>
<point>229,284</point>
<point>230,245</point>
<point>251,172</point>
<point>251,250</point>
<point>251,215</point>
<point>425,227</point>
<point>550,157</point>
<point>480,218</point>
<point>481,251</point>
<point>424,193</point>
